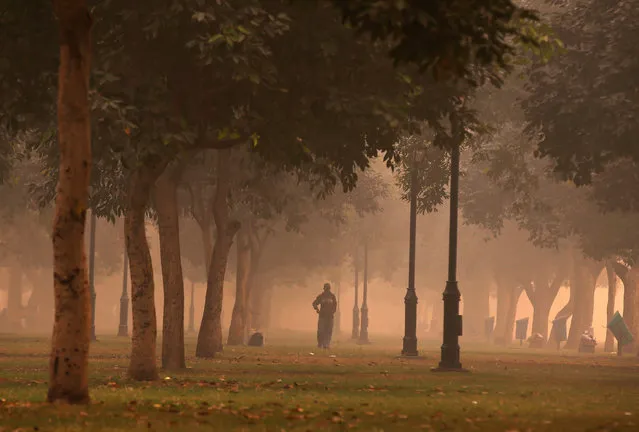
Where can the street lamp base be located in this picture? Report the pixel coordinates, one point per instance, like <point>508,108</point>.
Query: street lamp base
<point>409,348</point>
<point>123,331</point>
<point>450,369</point>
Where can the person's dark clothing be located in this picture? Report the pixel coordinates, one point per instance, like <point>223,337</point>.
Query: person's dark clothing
<point>326,305</point>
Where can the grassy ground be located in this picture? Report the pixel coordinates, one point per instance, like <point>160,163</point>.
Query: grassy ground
<point>296,388</point>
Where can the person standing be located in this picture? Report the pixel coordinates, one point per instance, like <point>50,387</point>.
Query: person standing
<point>325,305</point>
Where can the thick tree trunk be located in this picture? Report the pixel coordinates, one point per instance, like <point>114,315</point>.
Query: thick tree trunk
<point>584,284</point>
<point>237,327</point>
<point>633,308</point>
<point>68,378</point>
<point>507,297</point>
<point>542,299</point>
<point>541,311</point>
<point>142,364</point>
<point>609,345</point>
<point>254,285</point>
<point>168,226</point>
<point>511,315</point>
<point>209,339</point>
<point>565,312</point>
<point>629,279</point>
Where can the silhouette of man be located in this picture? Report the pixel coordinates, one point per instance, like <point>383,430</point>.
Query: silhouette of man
<point>325,305</point>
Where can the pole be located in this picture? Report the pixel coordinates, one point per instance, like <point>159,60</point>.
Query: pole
<point>450,358</point>
<point>355,333</point>
<point>410,300</point>
<point>92,272</point>
<point>123,330</point>
<point>192,310</point>
<point>338,318</point>
<point>363,334</point>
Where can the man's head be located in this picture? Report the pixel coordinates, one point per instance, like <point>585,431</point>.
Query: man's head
<point>327,287</point>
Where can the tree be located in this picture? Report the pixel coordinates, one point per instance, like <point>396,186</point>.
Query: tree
<point>582,104</point>
<point>454,39</point>
<point>68,380</point>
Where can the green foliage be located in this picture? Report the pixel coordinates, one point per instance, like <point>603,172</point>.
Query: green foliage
<point>582,104</point>
<point>452,39</point>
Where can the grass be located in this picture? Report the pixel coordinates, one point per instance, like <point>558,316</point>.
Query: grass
<point>286,388</point>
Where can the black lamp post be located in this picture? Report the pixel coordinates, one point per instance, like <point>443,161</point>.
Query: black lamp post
<point>410,301</point>
<point>355,333</point>
<point>450,358</point>
<point>363,334</point>
<point>191,328</point>
<point>338,319</point>
<point>92,272</point>
<point>123,329</point>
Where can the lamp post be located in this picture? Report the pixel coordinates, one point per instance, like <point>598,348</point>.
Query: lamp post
<point>450,358</point>
<point>355,333</point>
<point>92,271</point>
<point>338,319</point>
<point>363,334</point>
<point>123,330</point>
<point>191,328</point>
<point>410,300</point>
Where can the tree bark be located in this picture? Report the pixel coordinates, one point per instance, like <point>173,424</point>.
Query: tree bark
<point>69,361</point>
<point>254,285</point>
<point>512,315</point>
<point>507,296</point>
<point>565,311</point>
<point>209,339</point>
<point>584,293</point>
<point>629,280</point>
<point>542,299</point>
<point>142,365</point>
<point>237,327</point>
<point>542,302</point>
<point>609,345</point>
<point>166,204</point>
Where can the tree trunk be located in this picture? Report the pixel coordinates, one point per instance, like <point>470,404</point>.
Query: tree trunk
<point>254,285</point>
<point>505,298</point>
<point>542,299</point>
<point>237,327</point>
<point>629,279</point>
<point>142,364</point>
<point>565,311</point>
<point>168,226</point>
<point>609,345</point>
<point>511,315</point>
<point>202,215</point>
<point>209,340</point>
<point>584,284</point>
<point>68,378</point>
